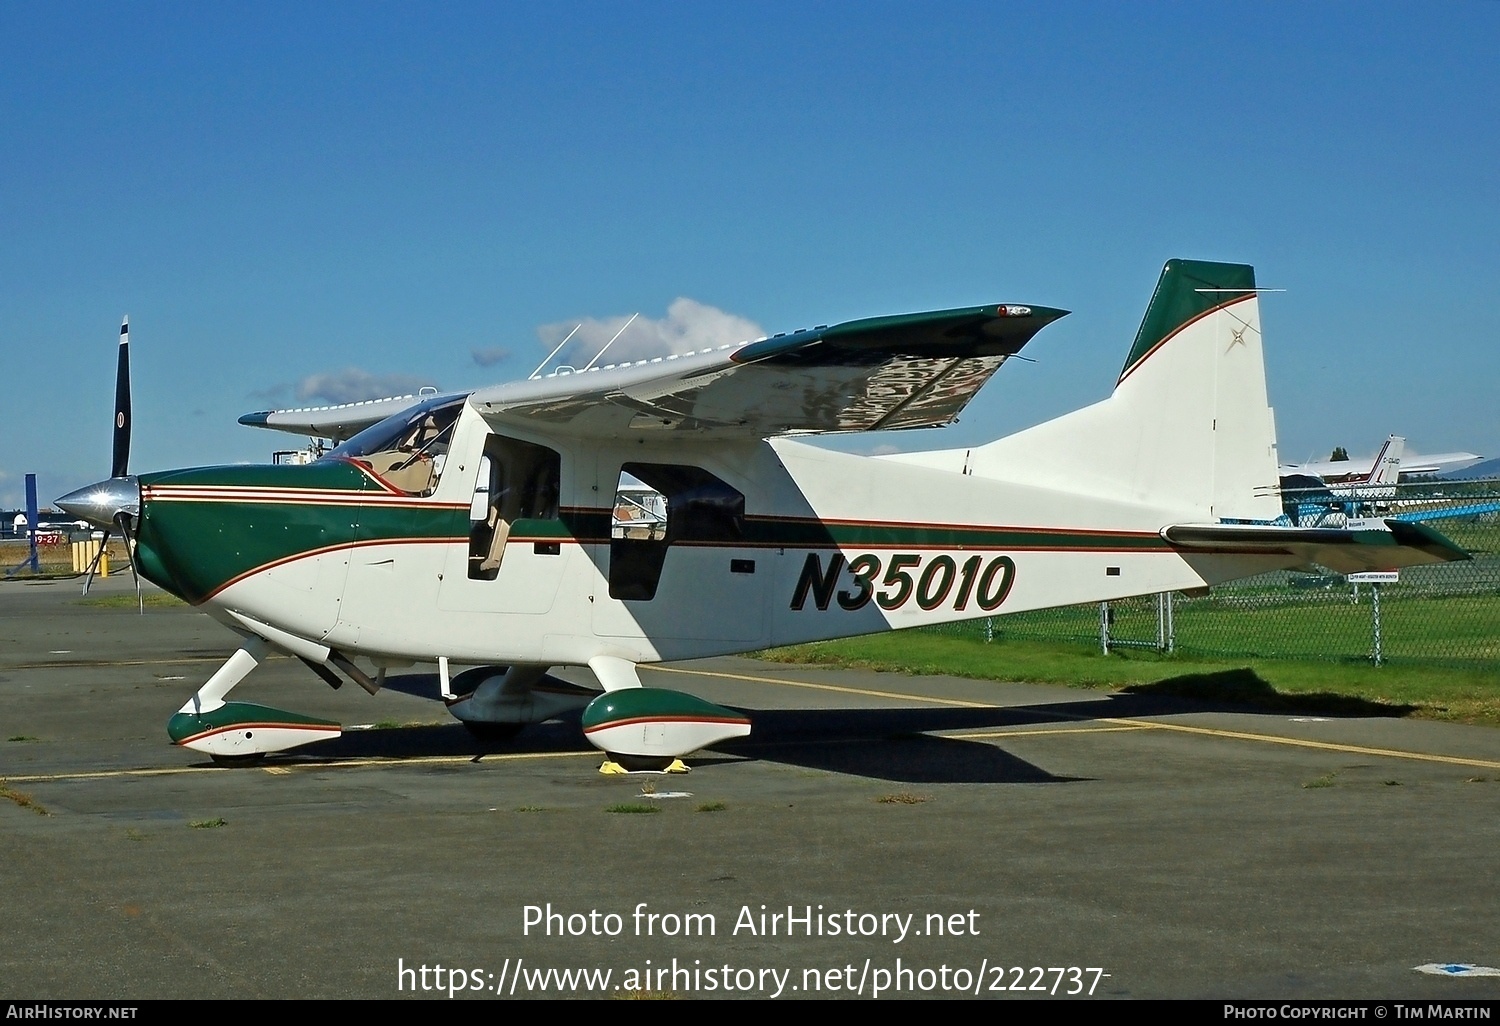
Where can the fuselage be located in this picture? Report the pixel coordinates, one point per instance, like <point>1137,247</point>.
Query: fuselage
<point>510,555</point>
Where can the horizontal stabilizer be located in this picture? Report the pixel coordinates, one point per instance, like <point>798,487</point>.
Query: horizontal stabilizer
<point>1395,544</point>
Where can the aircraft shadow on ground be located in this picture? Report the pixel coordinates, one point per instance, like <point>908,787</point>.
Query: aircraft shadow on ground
<point>887,744</point>
<point>898,744</point>
<point>1242,690</point>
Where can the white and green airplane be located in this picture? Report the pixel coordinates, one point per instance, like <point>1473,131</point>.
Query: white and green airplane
<point>474,530</point>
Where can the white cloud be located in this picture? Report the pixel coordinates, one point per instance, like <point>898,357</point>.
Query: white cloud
<point>689,325</point>
<point>352,385</point>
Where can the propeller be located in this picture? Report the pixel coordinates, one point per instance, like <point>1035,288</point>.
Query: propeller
<point>113,504</point>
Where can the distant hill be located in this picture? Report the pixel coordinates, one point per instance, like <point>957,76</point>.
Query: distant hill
<point>1487,469</point>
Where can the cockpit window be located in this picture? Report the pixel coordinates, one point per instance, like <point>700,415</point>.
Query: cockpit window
<point>407,450</point>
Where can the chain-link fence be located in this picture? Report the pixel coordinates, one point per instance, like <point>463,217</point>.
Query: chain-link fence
<point>1446,613</point>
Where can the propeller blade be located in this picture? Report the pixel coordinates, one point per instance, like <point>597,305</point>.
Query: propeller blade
<point>88,580</point>
<point>122,405</point>
<point>122,521</point>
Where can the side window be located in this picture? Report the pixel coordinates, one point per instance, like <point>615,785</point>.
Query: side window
<point>517,481</point>
<point>658,505</point>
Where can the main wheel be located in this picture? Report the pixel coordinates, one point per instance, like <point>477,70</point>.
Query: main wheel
<point>493,732</point>
<point>643,763</point>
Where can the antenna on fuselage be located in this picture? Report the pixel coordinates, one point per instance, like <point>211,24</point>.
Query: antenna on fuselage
<point>611,341</point>
<point>555,351</point>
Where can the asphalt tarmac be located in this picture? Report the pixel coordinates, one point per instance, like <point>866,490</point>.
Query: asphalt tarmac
<point>917,837</point>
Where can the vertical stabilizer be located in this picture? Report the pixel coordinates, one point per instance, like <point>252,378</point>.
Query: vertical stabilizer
<point>1387,468</point>
<point>1379,482</point>
<point>1187,426</point>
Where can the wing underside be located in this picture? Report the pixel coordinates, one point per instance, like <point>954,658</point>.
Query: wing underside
<point>918,370</point>
<point>877,374</point>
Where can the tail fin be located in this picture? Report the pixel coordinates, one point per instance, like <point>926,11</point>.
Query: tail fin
<point>1187,426</point>
<point>1380,481</point>
<point>1387,468</point>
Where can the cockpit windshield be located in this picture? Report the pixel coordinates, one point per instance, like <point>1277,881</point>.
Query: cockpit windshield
<point>408,449</point>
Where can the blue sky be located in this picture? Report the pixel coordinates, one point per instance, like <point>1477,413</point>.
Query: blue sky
<point>294,202</point>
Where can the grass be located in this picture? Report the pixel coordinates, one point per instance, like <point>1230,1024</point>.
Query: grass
<point>1326,780</point>
<point>1467,695</point>
<point>631,808</point>
<point>901,798</point>
<point>23,799</point>
<point>1293,623</point>
<point>712,807</point>
<point>23,737</point>
<point>207,824</point>
<point>530,808</point>
<point>154,600</point>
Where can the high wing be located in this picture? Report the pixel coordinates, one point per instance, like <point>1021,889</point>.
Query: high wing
<point>343,421</point>
<point>879,373</point>
<point>1442,463</point>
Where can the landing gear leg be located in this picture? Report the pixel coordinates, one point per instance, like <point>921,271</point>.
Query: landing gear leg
<point>251,653</point>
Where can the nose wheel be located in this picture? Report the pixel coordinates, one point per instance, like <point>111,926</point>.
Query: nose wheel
<point>619,765</point>
<point>240,733</point>
<point>237,761</point>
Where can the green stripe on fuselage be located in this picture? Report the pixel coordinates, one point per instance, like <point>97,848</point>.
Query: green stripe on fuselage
<point>819,534</point>
<point>195,546</point>
<point>334,474</point>
<point>593,527</point>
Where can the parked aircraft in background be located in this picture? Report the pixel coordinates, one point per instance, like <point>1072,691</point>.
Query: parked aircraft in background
<point>1332,491</point>
<point>1312,501</point>
<point>1352,470</point>
<point>482,529</point>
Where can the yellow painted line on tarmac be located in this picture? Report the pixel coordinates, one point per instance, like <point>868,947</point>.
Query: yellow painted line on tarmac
<point>1035,732</point>
<point>1327,746</point>
<point>838,688</point>
<point>169,771</point>
<point>435,760</point>
<point>158,771</point>
<point>1119,723</point>
<point>95,664</point>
